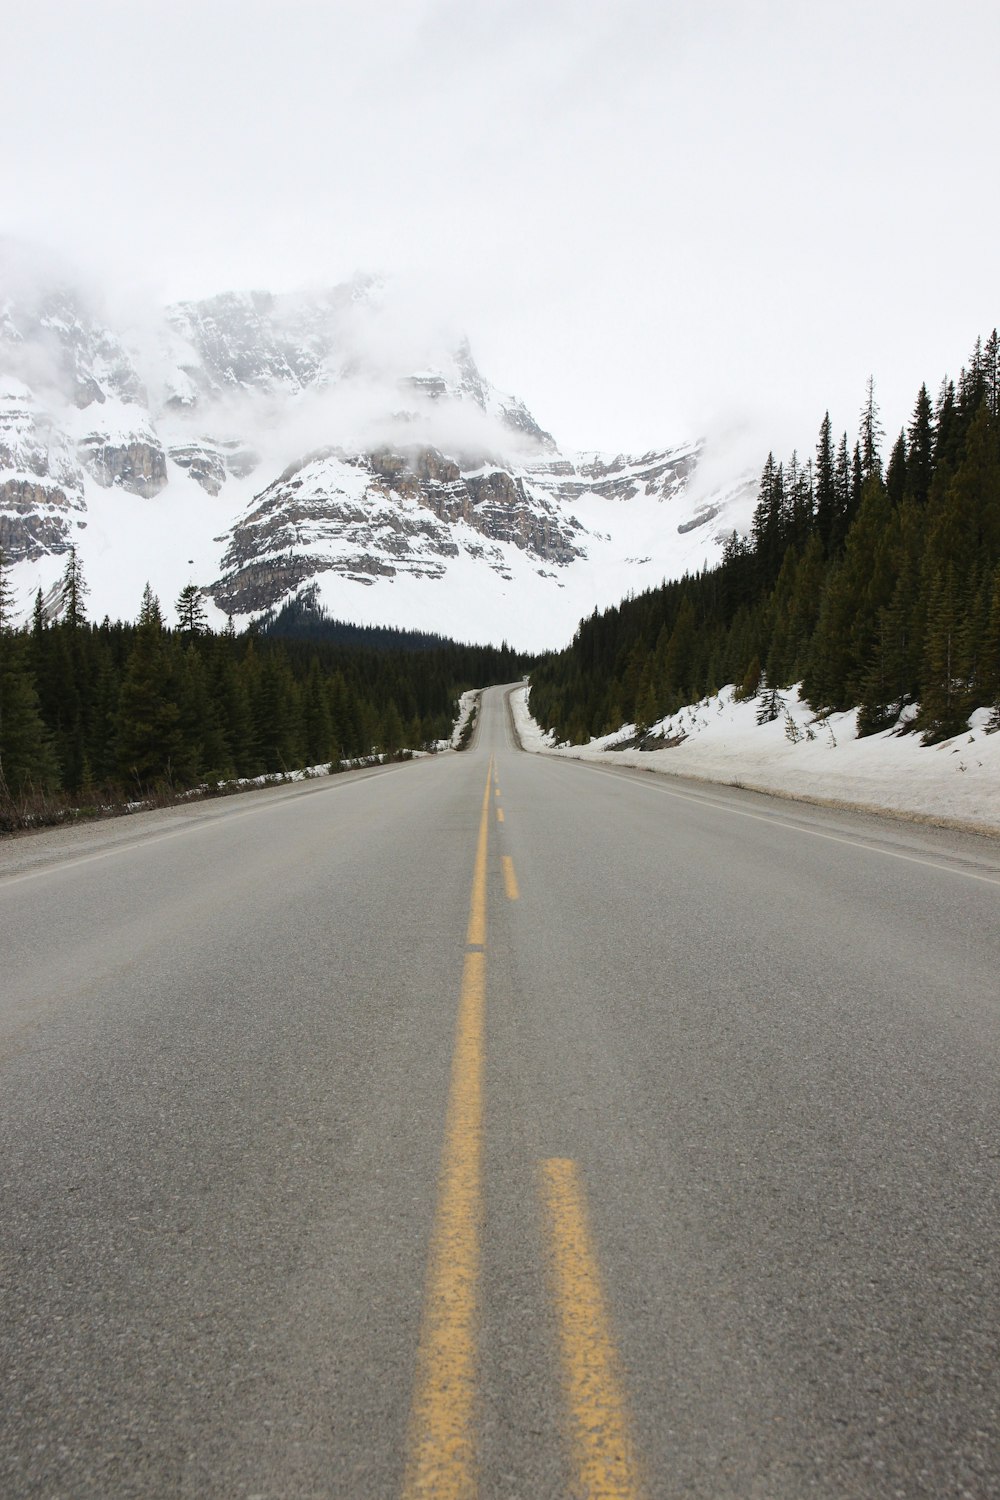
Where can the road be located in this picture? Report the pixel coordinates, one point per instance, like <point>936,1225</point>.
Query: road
<point>495,1125</point>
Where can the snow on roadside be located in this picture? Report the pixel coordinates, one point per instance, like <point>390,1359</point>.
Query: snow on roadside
<point>531,734</point>
<point>796,755</point>
<point>468,701</point>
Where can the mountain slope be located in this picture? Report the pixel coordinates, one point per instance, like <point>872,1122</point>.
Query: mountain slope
<point>257,445</point>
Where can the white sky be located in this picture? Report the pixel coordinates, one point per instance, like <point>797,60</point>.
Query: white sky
<point>654,219</point>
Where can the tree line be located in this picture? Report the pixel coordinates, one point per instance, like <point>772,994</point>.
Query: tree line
<point>98,713</point>
<point>876,585</point>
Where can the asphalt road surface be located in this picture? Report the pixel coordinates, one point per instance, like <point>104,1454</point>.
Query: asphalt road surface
<point>494,1125</point>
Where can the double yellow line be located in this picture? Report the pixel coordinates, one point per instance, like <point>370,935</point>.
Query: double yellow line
<point>441,1457</point>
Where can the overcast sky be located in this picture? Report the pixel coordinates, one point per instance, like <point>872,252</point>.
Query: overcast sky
<point>653,218</point>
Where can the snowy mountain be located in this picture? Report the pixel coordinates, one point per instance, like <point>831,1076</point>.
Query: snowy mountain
<point>260,445</point>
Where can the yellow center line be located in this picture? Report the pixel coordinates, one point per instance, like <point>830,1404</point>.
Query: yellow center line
<point>605,1466</point>
<point>441,1457</point>
<point>477,905</point>
<point>509,878</point>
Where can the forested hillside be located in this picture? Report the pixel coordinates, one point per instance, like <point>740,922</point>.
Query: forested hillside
<point>874,584</point>
<point>98,713</point>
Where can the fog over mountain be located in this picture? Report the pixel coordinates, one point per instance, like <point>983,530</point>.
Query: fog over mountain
<point>338,443</point>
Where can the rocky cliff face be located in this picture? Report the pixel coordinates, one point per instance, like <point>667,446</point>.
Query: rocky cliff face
<point>134,460</point>
<point>41,484</point>
<point>663,474</point>
<point>381,514</point>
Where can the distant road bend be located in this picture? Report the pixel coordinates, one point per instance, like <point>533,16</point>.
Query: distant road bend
<point>499,1126</point>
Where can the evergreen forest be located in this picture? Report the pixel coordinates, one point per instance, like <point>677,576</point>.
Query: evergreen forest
<point>875,584</point>
<point>97,715</point>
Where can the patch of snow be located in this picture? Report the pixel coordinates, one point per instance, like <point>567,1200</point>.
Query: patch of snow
<point>816,759</point>
<point>117,423</point>
<point>532,736</point>
<point>466,704</point>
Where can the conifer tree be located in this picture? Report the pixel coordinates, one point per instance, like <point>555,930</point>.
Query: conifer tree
<point>972,383</point>
<point>678,679</point>
<point>391,735</point>
<point>150,742</point>
<point>826,494</point>
<point>769,530</point>
<point>192,616</point>
<point>920,449</point>
<point>963,511</point>
<point>857,480</point>
<point>317,723</point>
<point>27,757</point>
<point>229,694</point>
<point>73,590</point>
<point>830,661</point>
<point>943,707</point>
<point>991,374</point>
<point>206,751</point>
<point>895,476</point>
<point>843,483</point>
<point>871,434</point>
<point>946,432</point>
<point>150,613</point>
<point>803,608</point>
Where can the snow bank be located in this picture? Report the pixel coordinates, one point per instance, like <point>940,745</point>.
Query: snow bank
<point>468,701</point>
<point>796,755</point>
<point>532,736</point>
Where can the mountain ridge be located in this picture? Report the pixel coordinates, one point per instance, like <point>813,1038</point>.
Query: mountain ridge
<point>257,444</point>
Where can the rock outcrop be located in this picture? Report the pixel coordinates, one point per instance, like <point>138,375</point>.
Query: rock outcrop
<point>41,485</point>
<point>383,513</point>
<point>138,464</point>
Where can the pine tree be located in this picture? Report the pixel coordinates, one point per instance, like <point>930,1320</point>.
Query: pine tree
<point>769,529</point>
<point>150,613</point>
<point>895,477</point>
<point>920,449</point>
<point>678,675</point>
<point>192,616</point>
<point>317,723</point>
<point>944,709</point>
<point>972,383</point>
<point>27,755</point>
<point>826,493</point>
<point>842,484</point>
<point>778,665</point>
<point>206,753</point>
<point>830,661</point>
<point>229,693</point>
<point>946,426</point>
<point>73,590</point>
<point>871,434</point>
<point>963,509</point>
<point>803,608</point>
<point>391,735</point>
<point>892,664</point>
<point>857,480</point>
<point>991,374</point>
<point>150,742</point>
<point>869,573</point>
<point>276,705</point>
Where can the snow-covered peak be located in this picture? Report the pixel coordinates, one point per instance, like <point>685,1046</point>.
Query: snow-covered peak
<point>338,441</point>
